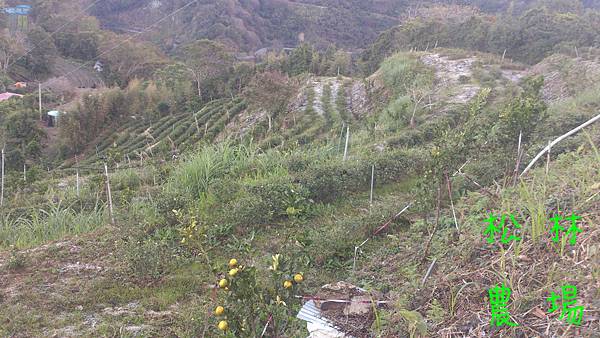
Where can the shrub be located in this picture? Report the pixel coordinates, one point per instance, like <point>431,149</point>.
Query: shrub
<point>250,298</point>
<point>150,257</point>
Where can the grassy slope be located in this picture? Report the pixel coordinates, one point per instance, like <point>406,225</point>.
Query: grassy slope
<point>91,285</point>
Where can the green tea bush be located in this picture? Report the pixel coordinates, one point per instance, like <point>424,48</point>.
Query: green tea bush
<point>151,257</point>
<point>279,195</point>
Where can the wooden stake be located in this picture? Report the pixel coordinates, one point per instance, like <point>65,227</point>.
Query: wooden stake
<point>372,184</point>
<point>503,55</point>
<point>2,192</point>
<point>77,181</point>
<point>428,272</point>
<point>77,175</point>
<point>40,100</point>
<point>110,204</point>
<point>451,201</point>
<point>548,159</point>
<point>518,161</point>
<point>347,139</point>
<point>24,172</point>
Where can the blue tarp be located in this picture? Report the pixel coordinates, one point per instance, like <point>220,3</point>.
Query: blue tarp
<point>18,10</point>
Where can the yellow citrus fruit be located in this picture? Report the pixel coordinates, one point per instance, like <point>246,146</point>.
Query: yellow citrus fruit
<point>233,272</point>
<point>287,284</point>
<point>298,278</point>
<point>223,326</point>
<point>219,310</point>
<point>233,263</point>
<point>223,283</point>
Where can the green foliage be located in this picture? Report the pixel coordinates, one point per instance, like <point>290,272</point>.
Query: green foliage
<point>269,91</point>
<point>151,257</point>
<point>40,59</point>
<point>523,114</point>
<point>42,225</point>
<point>22,136</point>
<point>527,35</point>
<point>78,45</point>
<point>251,297</point>
<point>17,259</point>
<point>195,175</point>
<point>402,72</point>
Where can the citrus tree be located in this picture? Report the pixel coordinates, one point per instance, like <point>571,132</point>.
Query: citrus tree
<point>255,303</point>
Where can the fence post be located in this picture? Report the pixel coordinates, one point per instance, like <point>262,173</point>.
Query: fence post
<point>372,185</point>
<point>110,205</point>
<point>347,139</point>
<point>2,192</point>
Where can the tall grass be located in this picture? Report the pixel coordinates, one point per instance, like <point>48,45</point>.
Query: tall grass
<point>195,176</point>
<point>43,225</point>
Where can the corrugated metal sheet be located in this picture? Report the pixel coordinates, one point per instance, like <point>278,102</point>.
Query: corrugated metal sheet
<point>311,314</point>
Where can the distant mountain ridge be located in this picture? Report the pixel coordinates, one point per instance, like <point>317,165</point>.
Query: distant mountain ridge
<point>248,25</point>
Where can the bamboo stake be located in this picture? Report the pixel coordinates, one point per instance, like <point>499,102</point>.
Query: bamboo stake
<point>372,184</point>
<point>548,160</point>
<point>40,100</point>
<point>553,143</point>
<point>77,175</point>
<point>110,204</point>
<point>428,272</point>
<point>77,181</point>
<point>347,139</point>
<point>518,161</point>
<point>451,201</point>
<point>2,192</point>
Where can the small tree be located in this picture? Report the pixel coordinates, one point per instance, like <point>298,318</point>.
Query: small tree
<point>269,91</point>
<point>205,60</point>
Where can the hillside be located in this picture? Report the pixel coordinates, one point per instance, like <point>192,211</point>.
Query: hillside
<point>302,200</point>
<point>442,182</point>
<point>251,25</point>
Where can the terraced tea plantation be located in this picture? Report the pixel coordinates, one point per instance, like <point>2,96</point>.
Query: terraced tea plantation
<point>322,113</point>
<point>171,134</point>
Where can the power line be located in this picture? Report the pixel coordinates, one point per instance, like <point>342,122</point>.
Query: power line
<point>148,28</point>
<point>54,33</point>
